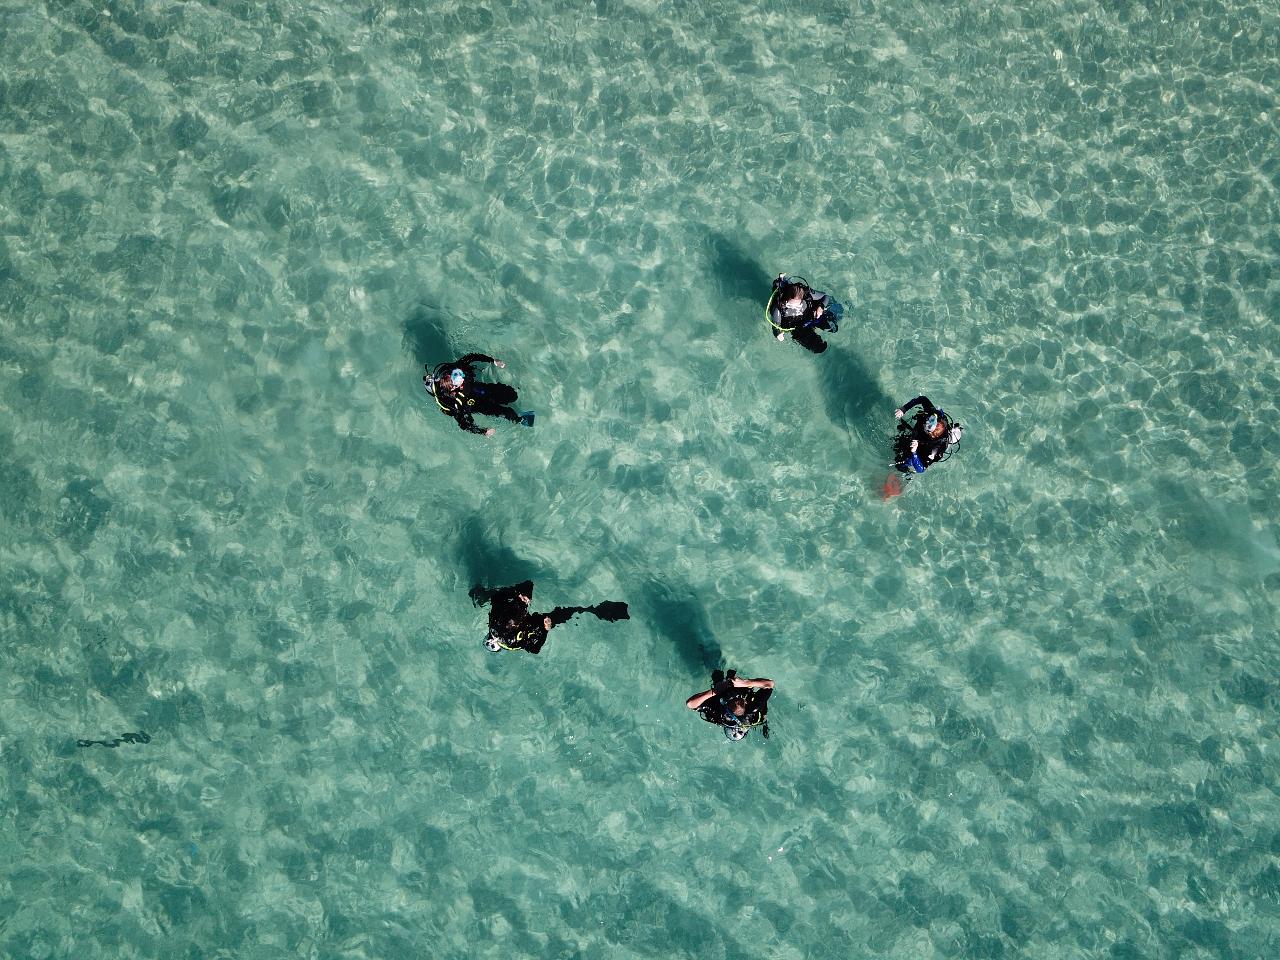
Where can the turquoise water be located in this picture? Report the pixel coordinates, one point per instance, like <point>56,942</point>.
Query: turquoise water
<point>1029,709</point>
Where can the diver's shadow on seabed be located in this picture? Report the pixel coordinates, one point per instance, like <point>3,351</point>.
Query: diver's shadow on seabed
<point>488,564</point>
<point>425,337</point>
<point>735,274</point>
<point>678,616</point>
<point>854,399</point>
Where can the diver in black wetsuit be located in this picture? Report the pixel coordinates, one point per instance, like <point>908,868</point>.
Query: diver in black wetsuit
<point>798,309</point>
<point>927,440</point>
<point>735,704</point>
<point>512,626</point>
<point>461,396</point>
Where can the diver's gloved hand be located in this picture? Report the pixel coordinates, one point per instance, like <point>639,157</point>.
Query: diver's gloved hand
<point>780,335</point>
<point>897,414</point>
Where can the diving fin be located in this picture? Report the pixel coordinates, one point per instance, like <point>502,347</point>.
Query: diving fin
<point>526,417</point>
<point>611,610</point>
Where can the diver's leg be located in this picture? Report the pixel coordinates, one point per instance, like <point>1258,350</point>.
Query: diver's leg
<point>496,394</point>
<point>500,393</point>
<point>563,614</point>
<point>807,338</point>
<point>496,410</point>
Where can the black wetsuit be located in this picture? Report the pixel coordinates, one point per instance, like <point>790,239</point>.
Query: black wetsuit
<point>475,396</point>
<point>516,627</point>
<point>929,449</point>
<point>803,326</point>
<point>719,709</point>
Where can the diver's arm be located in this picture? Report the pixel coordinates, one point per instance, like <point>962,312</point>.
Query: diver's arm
<point>516,594</point>
<point>479,358</point>
<point>762,683</point>
<point>775,314</point>
<point>783,325</point>
<point>698,699</point>
<point>458,410</point>
<point>453,406</point>
<point>925,404</point>
<point>466,422</point>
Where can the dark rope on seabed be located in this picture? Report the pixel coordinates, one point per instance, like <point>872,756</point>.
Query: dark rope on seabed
<point>138,737</point>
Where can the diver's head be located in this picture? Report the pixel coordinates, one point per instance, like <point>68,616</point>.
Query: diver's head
<point>934,426</point>
<point>739,708</point>
<point>793,296</point>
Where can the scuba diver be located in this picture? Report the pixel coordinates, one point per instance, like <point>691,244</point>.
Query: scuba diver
<point>929,439</point>
<point>460,395</point>
<point>735,704</point>
<point>796,308</point>
<point>512,626</point>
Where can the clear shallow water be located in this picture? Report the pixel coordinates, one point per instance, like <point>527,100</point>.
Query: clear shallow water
<point>1028,709</point>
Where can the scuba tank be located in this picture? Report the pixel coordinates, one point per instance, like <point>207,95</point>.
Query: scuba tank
<point>953,440</point>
